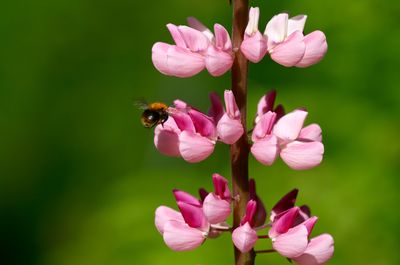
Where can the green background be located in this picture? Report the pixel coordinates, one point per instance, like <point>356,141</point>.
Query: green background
<point>80,178</point>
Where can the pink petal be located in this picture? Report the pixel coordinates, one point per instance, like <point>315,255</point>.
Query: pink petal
<point>166,138</point>
<point>194,39</point>
<point>181,237</point>
<point>221,187</point>
<point>204,125</point>
<point>165,214</point>
<point>180,105</point>
<point>284,223</point>
<point>302,155</point>
<point>311,132</point>
<point>193,216</point>
<point>194,147</point>
<point>266,103</point>
<point>183,121</point>
<point>265,150</point>
<point>276,29</point>
<point>230,105</point>
<point>216,110</point>
<point>216,209</point>
<point>263,126</point>
<point>251,209</point>
<point>218,62</point>
<point>175,61</point>
<point>316,47</point>
<point>244,237</point>
<point>252,25</point>
<point>196,24</point>
<point>176,35</point>
<point>229,130</point>
<point>319,251</point>
<point>289,52</point>
<point>296,24</point>
<point>222,39</point>
<point>288,127</point>
<point>309,224</point>
<point>293,243</point>
<point>284,204</point>
<point>254,47</point>
<point>182,196</point>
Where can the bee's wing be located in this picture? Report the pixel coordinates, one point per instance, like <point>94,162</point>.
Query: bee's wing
<point>140,104</point>
<point>173,110</point>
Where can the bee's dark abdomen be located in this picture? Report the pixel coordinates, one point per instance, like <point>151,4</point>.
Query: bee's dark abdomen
<point>150,118</point>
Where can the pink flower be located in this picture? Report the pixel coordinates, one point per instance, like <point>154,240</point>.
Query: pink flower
<point>195,48</point>
<point>217,205</point>
<point>192,135</point>
<point>319,250</point>
<point>291,227</point>
<point>287,44</point>
<point>245,236</point>
<point>283,39</point>
<point>300,148</point>
<point>261,214</point>
<point>254,46</point>
<point>229,126</point>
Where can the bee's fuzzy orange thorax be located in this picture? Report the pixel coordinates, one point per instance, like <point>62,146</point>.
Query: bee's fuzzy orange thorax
<point>158,106</point>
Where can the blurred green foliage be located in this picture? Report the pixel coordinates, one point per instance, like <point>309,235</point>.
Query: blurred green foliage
<point>80,177</point>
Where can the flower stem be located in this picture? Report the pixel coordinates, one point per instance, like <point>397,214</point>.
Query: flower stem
<point>240,150</point>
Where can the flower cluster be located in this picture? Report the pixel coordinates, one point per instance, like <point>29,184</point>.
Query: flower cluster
<point>192,134</point>
<point>199,219</point>
<point>197,48</point>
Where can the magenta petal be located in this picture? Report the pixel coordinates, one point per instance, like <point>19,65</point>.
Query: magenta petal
<point>218,62</point>
<point>292,243</point>
<point>302,155</point>
<point>183,121</point>
<point>222,39</point>
<point>221,187</point>
<point>244,237</point>
<point>182,196</point>
<point>165,214</point>
<point>288,127</point>
<point>266,103</point>
<point>204,125</point>
<point>229,130</point>
<point>194,39</point>
<point>265,150</point>
<point>194,147</point>
<point>216,209</point>
<point>311,132</point>
<point>166,138</point>
<point>283,223</point>
<point>254,47</point>
<point>216,110</point>
<point>251,209</point>
<point>309,224</point>
<point>319,251</point>
<point>181,237</point>
<point>193,216</point>
<point>289,52</point>
<point>263,126</point>
<point>316,47</point>
<point>284,204</point>
<point>176,61</point>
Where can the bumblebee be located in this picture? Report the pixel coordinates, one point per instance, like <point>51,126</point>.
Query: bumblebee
<point>153,114</point>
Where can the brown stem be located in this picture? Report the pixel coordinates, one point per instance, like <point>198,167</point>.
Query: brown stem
<point>240,150</point>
